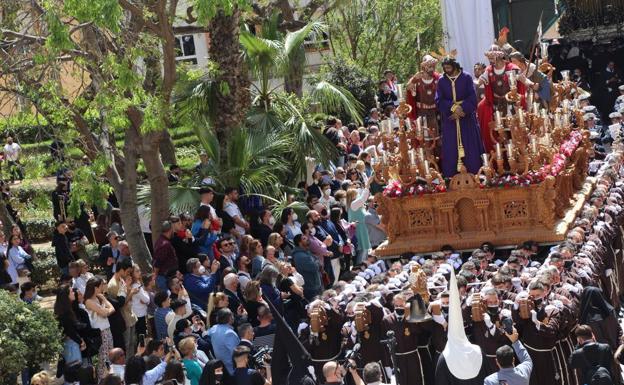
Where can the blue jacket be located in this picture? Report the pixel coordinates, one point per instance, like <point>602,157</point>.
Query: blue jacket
<point>204,238</point>
<point>308,266</point>
<point>199,287</point>
<point>224,339</point>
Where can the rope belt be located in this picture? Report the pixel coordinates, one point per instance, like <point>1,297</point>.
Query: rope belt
<point>491,355</point>
<point>425,106</point>
<point>539,350</point>
<point>412,351</point>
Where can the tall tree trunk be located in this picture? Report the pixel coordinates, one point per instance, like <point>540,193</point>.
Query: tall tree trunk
<point>159,185</point>
<point>167,149</point>
<point>7,220</point>
<point>293,81</point>
<point>233,99</point>
<point>126,190</point>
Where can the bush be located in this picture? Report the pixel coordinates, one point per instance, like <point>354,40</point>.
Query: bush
<point>46,272</point>
<point>349,76</point>
<point>29,336</point>
<point>39,230</point>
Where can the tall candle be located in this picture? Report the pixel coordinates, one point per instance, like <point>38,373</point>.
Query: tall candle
<point>529,99</point>
<point>426,167</point>
<point>421,153</point>
<point>486,163</point>
<point>418,127</point>
<point>511,75</point>
<point>408,123</point>
<point>412,156</point>
<point>536,108</point>
<point>499,152</point>
<point>424,118</point>
<point>566,105</point>
<point>534,144</point>
<point>544,49</point>
<point>498,118</point>
<point>565,74</point>
<point>577,104</point>
<point>557,119</point>
<point>566,120</point>
<point>400,91</point>
<point>521,115</point>
<point>384,156</point>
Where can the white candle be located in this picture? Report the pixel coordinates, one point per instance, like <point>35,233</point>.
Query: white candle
<point>421,153</point>
<point>418,127</point>
<point>529,99</point>
<point>521,116</point>
<point>511,75</point>
<point>499,152</point>
<point>486,163</point>
<point>498,118</point>
<point>565,74</point>
<point>400,91</point>
<point>384,156</point>
<point>425,121</point>
<point>509,150</point>
<point>566,105</point>
<point>534,144</point>
<point>566,120</point>
<point>547,139</point>
<point>577,104</point>
<point>557,119</point>
<point>544,50</point>
<point>377,103</point>
<point>412,156</point>
<point>426,167</point>
<point>408,123</point>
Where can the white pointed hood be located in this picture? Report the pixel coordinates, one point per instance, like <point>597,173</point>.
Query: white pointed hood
<point>462,358</point>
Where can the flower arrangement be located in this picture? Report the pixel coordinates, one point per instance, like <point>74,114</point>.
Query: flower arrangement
<point>395,189</point>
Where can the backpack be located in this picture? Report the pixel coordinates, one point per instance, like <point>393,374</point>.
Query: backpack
<point>600,376</point>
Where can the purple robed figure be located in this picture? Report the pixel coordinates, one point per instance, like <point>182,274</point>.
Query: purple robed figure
<point>466,98</point>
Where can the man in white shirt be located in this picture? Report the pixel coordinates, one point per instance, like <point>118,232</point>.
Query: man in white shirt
<point>206,195</point>
<point>231,208</point>
<point>12,153</point>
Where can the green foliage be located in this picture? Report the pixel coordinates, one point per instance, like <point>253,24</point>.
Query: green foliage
<point>346,74</point>
<point>29,335</point>
<point>207,9</point>
<point>385,34</point>
<point>40,229</point>
<point>104,13</point>
<point>88,189</point>
<point>46,270</point>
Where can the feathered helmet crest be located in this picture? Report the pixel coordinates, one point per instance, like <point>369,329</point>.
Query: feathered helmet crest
<point>441,55</point>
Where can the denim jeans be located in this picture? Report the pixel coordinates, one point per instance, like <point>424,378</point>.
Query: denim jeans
<point>71,351</point>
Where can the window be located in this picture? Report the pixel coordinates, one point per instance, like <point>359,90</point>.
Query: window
<point>185,49</point>
<point>317,41</point>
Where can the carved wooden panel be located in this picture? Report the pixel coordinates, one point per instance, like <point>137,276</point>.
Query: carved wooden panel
<point>468,219</point>
<point>420,218</point>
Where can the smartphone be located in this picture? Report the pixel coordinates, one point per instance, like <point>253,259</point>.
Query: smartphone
<point>507,325</point>
<point>142,340</point>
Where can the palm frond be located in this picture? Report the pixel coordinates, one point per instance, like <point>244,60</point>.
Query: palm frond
<point>333,98</point>
<point>197,98</point>
<point>264,120</point>
<point>183,199</point>
<point>294,41</point>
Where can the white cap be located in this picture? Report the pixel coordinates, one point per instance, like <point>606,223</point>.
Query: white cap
<point>621,88</point>
<point>589,116</point>
<point>614,115</point>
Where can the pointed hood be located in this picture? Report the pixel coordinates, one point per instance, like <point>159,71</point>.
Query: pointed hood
<point>462,358</point>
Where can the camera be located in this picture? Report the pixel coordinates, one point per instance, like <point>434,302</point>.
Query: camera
<point>258,359</point>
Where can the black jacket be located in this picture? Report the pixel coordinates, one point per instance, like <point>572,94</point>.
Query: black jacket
<point>591,356</point>
<point>184,251</point>
<point>61,249</point>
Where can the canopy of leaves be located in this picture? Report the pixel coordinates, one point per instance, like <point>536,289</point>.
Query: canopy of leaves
<point>381,34</point>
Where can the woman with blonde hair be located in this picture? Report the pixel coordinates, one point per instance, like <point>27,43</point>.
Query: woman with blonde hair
<point>253,298</point>
<point>41,378</point>
<point>216,301</point>
<point>276,240</point>
<point>356,212</point>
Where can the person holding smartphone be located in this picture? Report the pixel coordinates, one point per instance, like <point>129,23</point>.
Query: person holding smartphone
<point>505,359</point>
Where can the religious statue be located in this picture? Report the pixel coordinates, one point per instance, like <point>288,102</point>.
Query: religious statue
<point>457,101</point>
<point>421,94</point>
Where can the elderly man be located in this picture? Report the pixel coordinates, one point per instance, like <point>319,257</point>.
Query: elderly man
<point>198,284</point>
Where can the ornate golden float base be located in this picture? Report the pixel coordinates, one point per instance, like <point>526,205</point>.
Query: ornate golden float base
<point>465,218</point>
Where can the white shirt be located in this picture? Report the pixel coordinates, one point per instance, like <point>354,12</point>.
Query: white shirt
<point>232,209</point>
<point>97,321</point>
<point>16,261</point>
<point>173,318</point>
<point>140,301</point>
<point>12,151</point>
<point>80,282</point>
